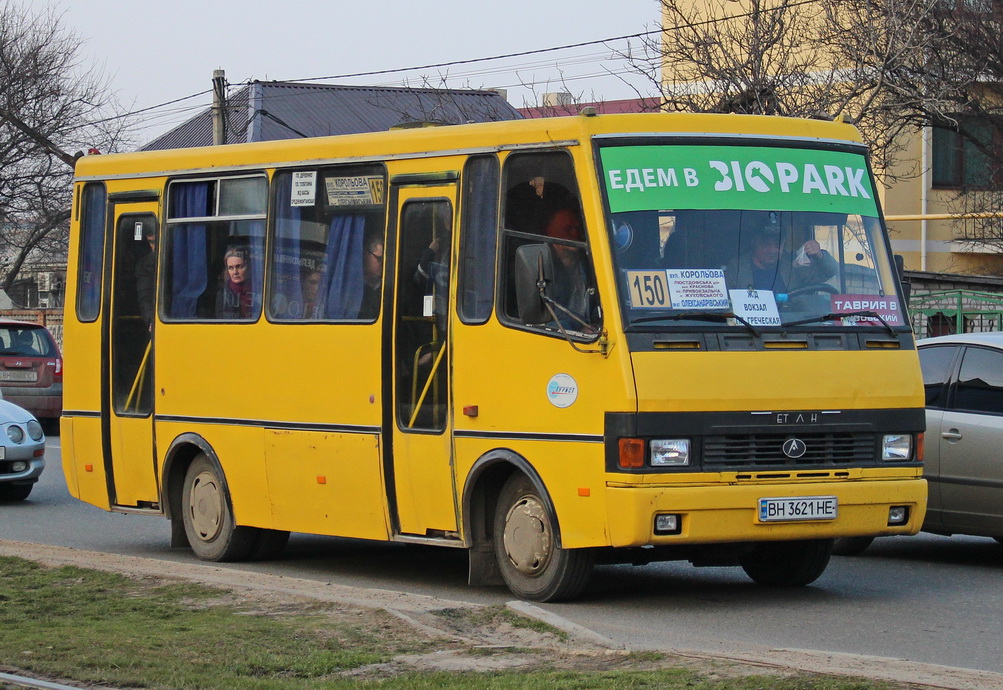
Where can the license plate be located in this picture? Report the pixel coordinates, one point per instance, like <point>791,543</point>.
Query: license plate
<point>797,508</point>
<point>31,376</point>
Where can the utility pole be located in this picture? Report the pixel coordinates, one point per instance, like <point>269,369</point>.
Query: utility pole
<point>218,107</point>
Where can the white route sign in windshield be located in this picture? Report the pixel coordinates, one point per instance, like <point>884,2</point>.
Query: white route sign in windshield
<point>697,288</point>
<point>758,307</point>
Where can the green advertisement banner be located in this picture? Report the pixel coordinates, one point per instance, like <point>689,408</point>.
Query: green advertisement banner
<point>648,178</point>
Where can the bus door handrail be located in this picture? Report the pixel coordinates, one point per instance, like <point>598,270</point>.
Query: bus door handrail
<point>428,382</point>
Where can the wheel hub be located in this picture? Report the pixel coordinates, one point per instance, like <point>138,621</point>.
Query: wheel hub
<point>528,540</point>
<point>205,504</point>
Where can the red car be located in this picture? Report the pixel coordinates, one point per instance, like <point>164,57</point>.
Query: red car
<point>31,370</point>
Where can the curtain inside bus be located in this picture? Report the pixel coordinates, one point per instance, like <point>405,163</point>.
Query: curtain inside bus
<point>190,270</point>
<point>341,284</point>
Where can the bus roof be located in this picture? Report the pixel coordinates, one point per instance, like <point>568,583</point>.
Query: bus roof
<point>424,141</point>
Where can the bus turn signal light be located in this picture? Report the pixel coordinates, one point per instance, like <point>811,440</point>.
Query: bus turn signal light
<point>631,453</point>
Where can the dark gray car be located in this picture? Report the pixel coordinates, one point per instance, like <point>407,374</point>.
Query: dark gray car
<point>963,377</point>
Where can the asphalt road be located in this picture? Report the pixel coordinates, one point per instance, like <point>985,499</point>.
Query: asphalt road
<point>926,599</point>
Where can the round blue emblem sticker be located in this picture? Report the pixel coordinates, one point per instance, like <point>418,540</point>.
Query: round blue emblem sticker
<point>562,390</point>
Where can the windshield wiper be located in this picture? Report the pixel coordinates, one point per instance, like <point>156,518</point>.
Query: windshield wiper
<point>833,316</point>
<point>698,316</point>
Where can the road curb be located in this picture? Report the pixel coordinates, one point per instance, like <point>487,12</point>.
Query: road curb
<point>573,630</point>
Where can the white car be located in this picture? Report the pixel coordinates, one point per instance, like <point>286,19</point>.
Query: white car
<point>22,451</point>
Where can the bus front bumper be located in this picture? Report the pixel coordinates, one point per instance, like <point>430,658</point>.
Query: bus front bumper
<point>718,514</point>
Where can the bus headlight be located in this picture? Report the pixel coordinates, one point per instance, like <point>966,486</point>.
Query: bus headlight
<point>670,452</point>
<point>896,447</point>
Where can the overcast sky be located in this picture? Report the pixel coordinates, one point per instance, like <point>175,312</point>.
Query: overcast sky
<point>158,51</point>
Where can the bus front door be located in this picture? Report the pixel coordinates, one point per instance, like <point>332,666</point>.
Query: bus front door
<point>127,397</point>
<point>422,481</point>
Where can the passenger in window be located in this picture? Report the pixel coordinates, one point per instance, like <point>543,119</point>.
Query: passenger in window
<point>769,267</point>
<point>570,287</point>
<point>531,204</point>
<point>146,278</point>
<point>310,283</point>
<point>431,277</point>
<point>372,276</point>
<point>235,299</point>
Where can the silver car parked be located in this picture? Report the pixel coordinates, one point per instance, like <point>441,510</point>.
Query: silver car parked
<point>963,462</point>
<point>22,451</point>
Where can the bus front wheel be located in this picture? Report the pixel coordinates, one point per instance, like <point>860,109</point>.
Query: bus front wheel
<point>787,563</point>
<point>208,517</point>
<point>533,565</point>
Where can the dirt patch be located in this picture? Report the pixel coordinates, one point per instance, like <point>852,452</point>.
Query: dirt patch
<point>460,636</point>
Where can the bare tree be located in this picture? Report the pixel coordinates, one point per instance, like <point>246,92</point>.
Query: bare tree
<point>50,108</point>
<point>879,64</point>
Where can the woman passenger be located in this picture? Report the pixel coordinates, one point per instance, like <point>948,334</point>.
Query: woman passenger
<point>235,299</point>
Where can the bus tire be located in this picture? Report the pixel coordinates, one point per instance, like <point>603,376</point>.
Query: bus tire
<point>271,543</point>
<point>532,564</point>
<point>208,516</point>
<point>787,563</point>
<point>851,546</point>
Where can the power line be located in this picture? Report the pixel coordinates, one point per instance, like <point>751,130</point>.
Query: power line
<point>538,51</point>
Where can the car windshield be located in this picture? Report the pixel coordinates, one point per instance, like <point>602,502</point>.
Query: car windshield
<point>740,236</point>
<point>24,341</point>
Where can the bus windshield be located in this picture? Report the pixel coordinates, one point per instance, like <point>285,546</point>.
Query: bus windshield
<point>738,236</point>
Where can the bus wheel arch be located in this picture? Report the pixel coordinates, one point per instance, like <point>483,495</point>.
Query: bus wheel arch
<point>183,450</point>
<point>199,503</point>
<point>514,535</point>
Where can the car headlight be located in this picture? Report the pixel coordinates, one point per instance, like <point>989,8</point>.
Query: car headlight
<point>35,430</point>
<point>896,447</point>
<point>674,452</point>
<point>15,433</point>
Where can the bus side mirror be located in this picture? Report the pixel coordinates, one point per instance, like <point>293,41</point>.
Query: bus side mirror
<point>534,267</point>
<point>905,284</point>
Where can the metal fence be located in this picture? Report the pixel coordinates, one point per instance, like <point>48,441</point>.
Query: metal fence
<point>956,311</point>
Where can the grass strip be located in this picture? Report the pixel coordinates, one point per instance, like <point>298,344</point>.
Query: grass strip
<point>101,628</point>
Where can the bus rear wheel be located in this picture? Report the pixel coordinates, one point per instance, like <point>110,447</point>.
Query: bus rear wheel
<point>787,563</point>
<point>208,516</point>
<point>532,564</point>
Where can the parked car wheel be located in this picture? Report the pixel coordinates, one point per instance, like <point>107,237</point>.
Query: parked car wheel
<point>15,492</point>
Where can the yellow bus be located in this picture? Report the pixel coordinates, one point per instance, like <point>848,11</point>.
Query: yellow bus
<point>552,343</point>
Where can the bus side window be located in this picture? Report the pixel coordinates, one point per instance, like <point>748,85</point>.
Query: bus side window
<point>328,251</point>
<point>478,239</point>
<point>214,266</point>
<point>91,251</point>
<point>541,209</point>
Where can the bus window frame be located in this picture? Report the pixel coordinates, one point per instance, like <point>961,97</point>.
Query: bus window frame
<point>272,246</point>
<point>167,239</point>
<point>505,264</point>
<point>99,233</point>
<point>466,228</point>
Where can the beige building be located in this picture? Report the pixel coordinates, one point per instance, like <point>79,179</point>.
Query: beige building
<point>939,167</point>
<point>933,169</point>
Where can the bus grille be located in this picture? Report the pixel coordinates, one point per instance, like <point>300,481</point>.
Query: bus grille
<point>759,450</point>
